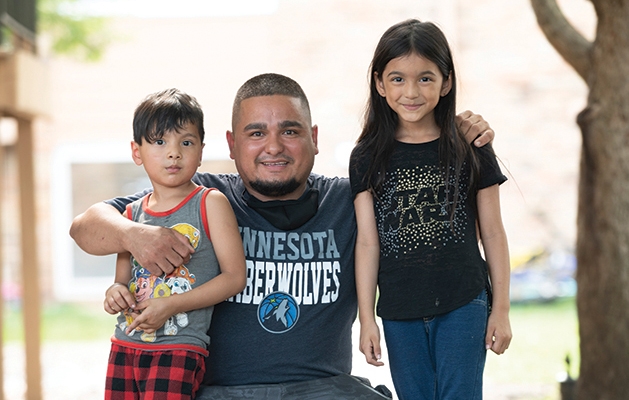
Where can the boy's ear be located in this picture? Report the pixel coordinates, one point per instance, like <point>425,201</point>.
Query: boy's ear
<point>201,155</point>
<point>447,85</point>
<point>135,153</point>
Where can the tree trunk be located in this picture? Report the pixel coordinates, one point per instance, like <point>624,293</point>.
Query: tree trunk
<point>603,211</point>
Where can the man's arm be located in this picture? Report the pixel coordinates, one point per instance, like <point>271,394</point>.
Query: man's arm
<point>475,129</point>
<point>102,230</point>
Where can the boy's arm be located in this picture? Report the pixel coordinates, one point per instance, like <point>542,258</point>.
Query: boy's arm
<point>101,230</point>
<point>117,296</point>
<point>367,261</point>
<point>231,280</point>
<point>475,129</point>
<point>496,251</point>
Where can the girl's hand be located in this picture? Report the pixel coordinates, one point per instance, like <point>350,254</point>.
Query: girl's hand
<point>370,343</point>
<point>150,315</point>
<point>499,333</point>
<point>118,298</point>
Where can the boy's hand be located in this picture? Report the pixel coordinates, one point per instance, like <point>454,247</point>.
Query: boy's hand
<point>118,298</point>
<point>475,129</point>
<point>150,314</point>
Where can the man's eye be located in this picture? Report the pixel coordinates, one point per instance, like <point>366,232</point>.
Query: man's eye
<point>256,133</point>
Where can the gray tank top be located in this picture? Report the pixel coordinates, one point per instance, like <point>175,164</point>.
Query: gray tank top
<point>186,330</point>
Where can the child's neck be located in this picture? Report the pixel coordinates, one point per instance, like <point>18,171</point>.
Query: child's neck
<point>417,132</point>
<point>166,198</point>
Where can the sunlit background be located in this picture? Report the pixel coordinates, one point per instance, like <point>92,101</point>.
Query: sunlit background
<point>507,72</point>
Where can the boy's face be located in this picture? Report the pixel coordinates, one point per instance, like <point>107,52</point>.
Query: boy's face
<point>273,146</point>
<point>172,160</point>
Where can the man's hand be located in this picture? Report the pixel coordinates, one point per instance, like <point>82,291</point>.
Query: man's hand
<point>102,230</point>
<point>475,129</point>
<point>160,250</point>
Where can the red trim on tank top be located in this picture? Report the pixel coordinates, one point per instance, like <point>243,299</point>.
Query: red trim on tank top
<point>147,210</point>
<point>204,213</point>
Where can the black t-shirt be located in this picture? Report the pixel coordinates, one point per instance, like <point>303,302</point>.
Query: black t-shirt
<point>429,264</point>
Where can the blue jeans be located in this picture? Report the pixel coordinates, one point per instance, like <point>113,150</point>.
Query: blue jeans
<point>440,357</point>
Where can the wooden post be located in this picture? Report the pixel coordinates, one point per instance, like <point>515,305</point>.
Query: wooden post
<point>30,265</point>
<point>2,169</point>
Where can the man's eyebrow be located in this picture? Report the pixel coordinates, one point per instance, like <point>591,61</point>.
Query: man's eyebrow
<point>290,124</point>
<point>255,125</point>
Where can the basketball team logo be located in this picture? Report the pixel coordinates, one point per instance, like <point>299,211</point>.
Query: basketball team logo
<point>278,312</point>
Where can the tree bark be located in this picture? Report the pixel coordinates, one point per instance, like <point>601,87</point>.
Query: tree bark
<point>603,212</point>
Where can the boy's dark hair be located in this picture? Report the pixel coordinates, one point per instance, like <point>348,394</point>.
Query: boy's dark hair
<point>377,139</point>
<point>164,111</point>
<point>269,85</point>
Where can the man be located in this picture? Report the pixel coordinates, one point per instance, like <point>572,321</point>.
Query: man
<point>288,334</point>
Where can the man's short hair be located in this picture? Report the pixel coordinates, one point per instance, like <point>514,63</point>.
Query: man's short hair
<point>269,85</point>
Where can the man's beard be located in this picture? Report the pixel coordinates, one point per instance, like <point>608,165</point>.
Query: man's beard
<point>275,188</point>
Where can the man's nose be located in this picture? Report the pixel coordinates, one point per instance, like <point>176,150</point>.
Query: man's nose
<point>274,144</point>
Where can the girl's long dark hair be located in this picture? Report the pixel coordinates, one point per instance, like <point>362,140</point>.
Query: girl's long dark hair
<point>377,139</point>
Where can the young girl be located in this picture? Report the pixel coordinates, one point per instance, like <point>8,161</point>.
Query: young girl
<point>423,196</point>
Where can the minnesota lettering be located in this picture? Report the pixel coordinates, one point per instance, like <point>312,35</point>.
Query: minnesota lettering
<point>305,265</point>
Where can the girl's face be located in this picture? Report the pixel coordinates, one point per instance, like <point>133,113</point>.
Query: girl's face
<point>412,86</point>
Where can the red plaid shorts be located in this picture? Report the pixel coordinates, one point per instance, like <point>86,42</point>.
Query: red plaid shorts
<point>151,375</point>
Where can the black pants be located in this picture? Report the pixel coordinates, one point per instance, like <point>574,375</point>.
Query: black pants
<point>340,387</point>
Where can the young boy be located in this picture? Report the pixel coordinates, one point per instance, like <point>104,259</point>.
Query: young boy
<point>160,341</point>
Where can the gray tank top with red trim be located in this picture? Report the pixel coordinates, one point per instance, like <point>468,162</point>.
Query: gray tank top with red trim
<point>186,330</point>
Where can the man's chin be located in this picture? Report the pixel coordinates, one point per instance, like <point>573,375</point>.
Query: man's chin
<point>275,188</point>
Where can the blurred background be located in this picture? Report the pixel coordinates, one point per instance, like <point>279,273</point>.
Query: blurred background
<point>507,72</point>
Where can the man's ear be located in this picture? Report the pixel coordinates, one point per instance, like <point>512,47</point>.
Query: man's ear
<point>135,153</point>
<point>229,135</point>
<point>315,138</point>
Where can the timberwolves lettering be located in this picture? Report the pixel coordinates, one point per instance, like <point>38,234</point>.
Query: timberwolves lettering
<point>304,265</point>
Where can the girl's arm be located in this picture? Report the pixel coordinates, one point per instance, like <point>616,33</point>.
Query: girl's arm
<point>496,249</point>
<point>367,259</point>
<point>231,280</point>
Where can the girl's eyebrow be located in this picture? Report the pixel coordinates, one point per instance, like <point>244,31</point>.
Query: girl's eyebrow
<point>426,72</point>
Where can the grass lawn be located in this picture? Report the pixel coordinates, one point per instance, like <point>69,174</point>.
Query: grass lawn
<point>543,334</point>
<point>63,322</point>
